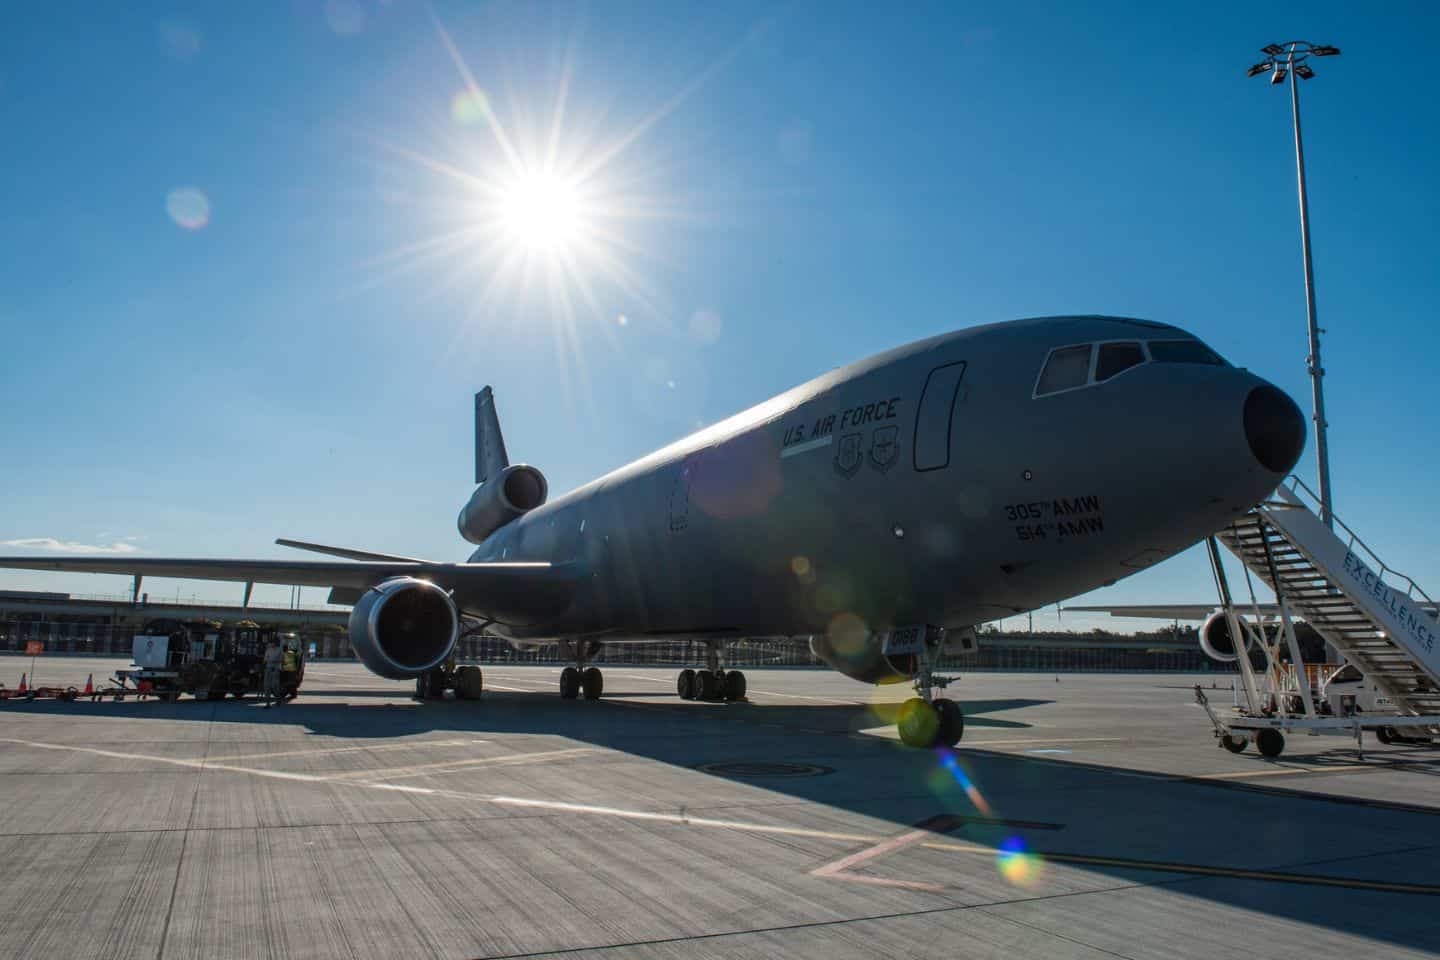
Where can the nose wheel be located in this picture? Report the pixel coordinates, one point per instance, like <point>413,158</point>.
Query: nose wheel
<point>926,721</point>
<point>939,723</point>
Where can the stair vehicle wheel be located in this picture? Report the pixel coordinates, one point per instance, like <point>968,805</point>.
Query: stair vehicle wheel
<point>569,683</point>
<point>1270,742</point>
<point>734,686</point>
<point>952,722</point>
<point>707,685</point>
<point>685,684</point>
<point>592,681</point>
<point>469,683</point>
<point>1386,735</point>
<point>919,723</point>
<point>1234,743</point>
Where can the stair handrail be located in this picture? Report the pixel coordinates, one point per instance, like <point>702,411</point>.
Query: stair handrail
<point>1412,589</point>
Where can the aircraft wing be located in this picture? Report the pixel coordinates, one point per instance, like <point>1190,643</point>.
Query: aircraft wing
<point>1172,611</point>
<point>505,592</point>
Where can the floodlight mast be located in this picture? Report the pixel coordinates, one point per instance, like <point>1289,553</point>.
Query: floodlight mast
<point>1280,60</point>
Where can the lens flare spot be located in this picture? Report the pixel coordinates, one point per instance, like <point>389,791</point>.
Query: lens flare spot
<point>623,320</point>
<point>469,106</point>
<point>1017,864</point>
<point>345,17</point>
<point>705,326</point>
<point>952,765</point>
<point>188,207</point>
<point>847,634</point>
<point>181,39</point>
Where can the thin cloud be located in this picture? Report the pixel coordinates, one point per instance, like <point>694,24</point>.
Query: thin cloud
<point>68,546</point>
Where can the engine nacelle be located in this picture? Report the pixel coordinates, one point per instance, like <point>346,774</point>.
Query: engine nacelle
<point>403,627</point>
<point>857,653</point>
<point>1215,639</point>
<point>518,489</point>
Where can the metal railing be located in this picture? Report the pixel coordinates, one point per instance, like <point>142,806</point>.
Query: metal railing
<point>1412,589</point>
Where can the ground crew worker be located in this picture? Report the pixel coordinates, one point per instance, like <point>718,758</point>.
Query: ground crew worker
<point>289,664</point>
<point>273,659</point>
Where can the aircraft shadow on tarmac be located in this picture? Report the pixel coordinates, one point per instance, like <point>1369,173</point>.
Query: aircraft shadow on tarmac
<point>1123,824</point>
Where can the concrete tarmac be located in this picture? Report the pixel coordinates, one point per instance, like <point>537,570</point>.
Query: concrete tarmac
<point>1087,817</point>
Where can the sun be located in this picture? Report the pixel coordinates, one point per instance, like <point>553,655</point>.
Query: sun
<point>543,213</point>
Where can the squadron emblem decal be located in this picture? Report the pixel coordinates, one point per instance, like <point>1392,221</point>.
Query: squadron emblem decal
<point>883,448</point>
<point>849,456</point>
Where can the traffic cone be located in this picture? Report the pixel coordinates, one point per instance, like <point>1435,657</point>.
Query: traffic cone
<point>89,684</point>
<point>23,688</point>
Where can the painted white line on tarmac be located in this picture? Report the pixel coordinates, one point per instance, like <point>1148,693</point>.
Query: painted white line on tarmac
<point>424,769</point>
<point>525,803</point>
<point>329,750</point>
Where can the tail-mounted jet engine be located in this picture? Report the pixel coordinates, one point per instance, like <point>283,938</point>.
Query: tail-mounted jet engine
<point>403,627</point>
<point>517,489</point>
<point>1215,639</point>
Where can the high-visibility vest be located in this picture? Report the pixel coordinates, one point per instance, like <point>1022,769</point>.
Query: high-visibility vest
<point>289,661</point>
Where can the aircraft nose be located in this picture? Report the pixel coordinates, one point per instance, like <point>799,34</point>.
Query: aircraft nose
<point>1274,427</point>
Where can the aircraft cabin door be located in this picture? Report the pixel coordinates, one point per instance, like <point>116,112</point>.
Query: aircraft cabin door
<point>936,414</point>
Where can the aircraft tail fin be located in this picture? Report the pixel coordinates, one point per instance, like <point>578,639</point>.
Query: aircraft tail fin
<point>490,455</point>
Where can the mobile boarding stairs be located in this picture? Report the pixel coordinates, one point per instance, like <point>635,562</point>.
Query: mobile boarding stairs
<point>1379,620</point>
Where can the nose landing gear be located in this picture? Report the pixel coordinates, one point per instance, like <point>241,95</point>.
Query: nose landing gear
<point>926,720</point>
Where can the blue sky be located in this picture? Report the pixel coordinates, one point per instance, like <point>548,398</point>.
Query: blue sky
<point>777,189</point>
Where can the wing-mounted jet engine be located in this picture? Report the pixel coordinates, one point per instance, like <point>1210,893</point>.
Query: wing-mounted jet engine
<point>404,627</point>
<point>1216,641</point>
<point>505,491</point>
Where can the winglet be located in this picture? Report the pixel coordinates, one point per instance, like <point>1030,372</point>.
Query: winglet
<point>490,455</point>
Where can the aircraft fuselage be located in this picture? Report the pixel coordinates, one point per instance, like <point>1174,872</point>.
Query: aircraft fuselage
<point>939,483</point>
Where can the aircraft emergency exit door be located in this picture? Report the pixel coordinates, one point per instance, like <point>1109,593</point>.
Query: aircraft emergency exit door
<point>934,419</point>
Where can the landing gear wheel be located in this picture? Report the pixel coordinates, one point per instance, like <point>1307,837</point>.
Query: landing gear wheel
<point>734,686</point>
<point>1233,743</point>
<point>952,722</point>
<point>569,683</point>
<point>919,723</point>
<point>685,684</point>
<point>707,685</point>
<point>592,681</point>
<point>1387,735</point>
<point>469,683</point>
<point>1270,742</point>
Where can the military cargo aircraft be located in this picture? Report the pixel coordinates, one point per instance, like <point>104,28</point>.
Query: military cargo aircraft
<point>883,510</point>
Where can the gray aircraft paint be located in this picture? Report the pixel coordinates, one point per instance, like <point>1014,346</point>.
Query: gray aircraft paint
<point>706,536</point>
<point>850,505</point>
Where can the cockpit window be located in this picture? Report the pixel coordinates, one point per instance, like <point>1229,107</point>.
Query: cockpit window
<point>1116,358</point>
<point>1183,351</point>
<point>1066,369</point>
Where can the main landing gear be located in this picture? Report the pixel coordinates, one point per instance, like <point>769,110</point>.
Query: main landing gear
<point>928,721</point>
<point>713,682</point>
<point>582,679</point>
